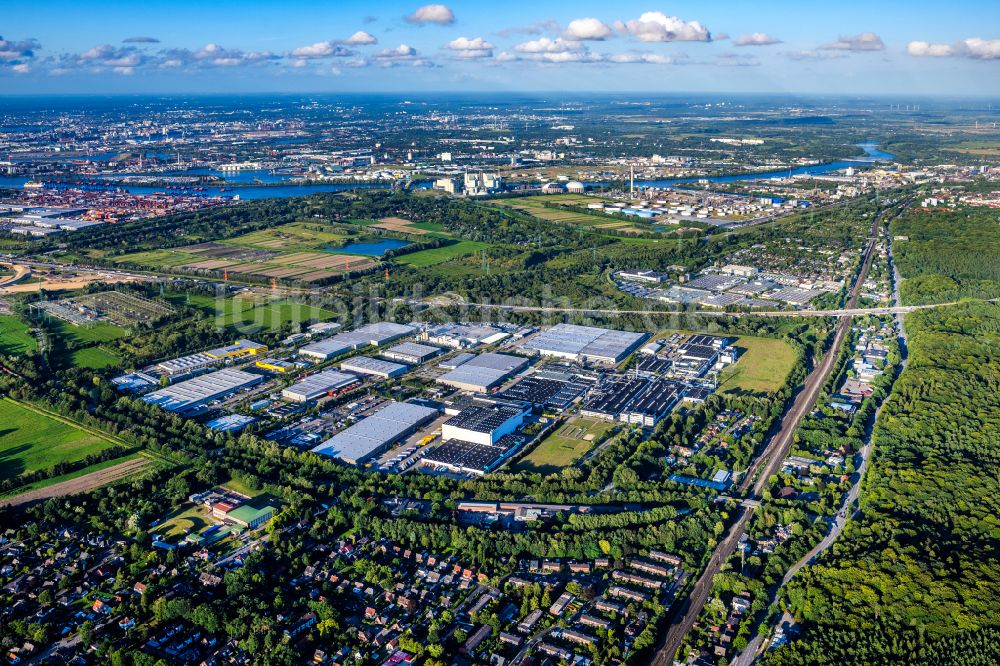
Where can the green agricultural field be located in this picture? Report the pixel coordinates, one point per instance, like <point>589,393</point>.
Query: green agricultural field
<point>16,336</point>
<point>296,236</point>
<point>31,440</point>
<point>563,447</point>
<point>763,366</point>
<point>440,255</point>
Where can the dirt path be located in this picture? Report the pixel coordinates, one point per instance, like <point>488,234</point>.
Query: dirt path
<point>80,484</point>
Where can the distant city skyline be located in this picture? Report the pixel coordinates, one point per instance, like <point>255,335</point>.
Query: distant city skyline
<point>848,47</point>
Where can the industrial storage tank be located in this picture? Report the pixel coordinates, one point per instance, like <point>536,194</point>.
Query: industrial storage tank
<point>575,187</point>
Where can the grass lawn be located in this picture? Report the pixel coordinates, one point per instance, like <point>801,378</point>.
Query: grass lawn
<point>93,358</point>
<point>184,521</point>
<point>241,488</point>
<point>250,312</point>
<point>16,336</point>
<point>440,255</point>
<point>97,332</point>
<point>31,441</point>
<point>763,365</point>
<point>564,446</point>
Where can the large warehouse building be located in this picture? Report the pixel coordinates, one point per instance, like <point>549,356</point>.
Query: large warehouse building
<point>585,343</point>
<point>193,393</point>
<point>482,424</point>
<point>484,372</point>
<point>376,335</point>
<point>376,367</point>
<point>318,385</point>
<point>376,433</point>
<point>411,352</point>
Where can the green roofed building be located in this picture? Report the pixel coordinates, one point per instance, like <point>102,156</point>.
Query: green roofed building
<point>250,517</point>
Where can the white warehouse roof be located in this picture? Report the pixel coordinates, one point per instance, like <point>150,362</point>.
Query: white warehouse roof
<point>370,435</point>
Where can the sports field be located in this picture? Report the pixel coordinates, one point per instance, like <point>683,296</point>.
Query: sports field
<point>15,336</point>
<point>93,358</point>
<point>564,446</point>
<point>31,440</point>
<point>763,365</point>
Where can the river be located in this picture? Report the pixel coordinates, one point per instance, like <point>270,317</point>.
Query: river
<point>872,155</point>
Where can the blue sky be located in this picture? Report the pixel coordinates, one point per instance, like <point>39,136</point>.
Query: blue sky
<point>867,47</point>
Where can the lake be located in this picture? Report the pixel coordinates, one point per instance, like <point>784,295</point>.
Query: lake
<point>371,249</point>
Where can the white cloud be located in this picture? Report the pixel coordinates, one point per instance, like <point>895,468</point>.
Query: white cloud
<point>644,58</point>
<point>587,29</point>
<point>404,54</point>
<point>22,68</point>
<point>471,49</point>
<point>327,49</point>
<point>438,14</point>
<point>214,55</point>
<point>658,27</point>
<point>141,40</point>
<point>974,47</point>
<point>361,38</point>
<point>866,41</point>
<point>17,50</point>
<point>547,45</point>
<point>756,39</point>
<point>401,51</point>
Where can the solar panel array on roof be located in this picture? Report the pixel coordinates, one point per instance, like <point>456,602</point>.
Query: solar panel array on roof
<point>654,403</point>
<point>612,398</point>
<point>375,433</point>
<point>483,418</point>
<point>542,391</point>
<point>585,343</point>
<point>465,456</point>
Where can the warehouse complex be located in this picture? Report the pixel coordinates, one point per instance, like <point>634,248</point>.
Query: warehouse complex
<point>411,352</point>
<point>483,424</point>
<point>189,395</point>
<point>185,364</point>
<point>366,365</point>
<point>376,433</point>
<point>374,335</point>
<point>318,385</point>
<point>484,372</point>
<point>585,343</point>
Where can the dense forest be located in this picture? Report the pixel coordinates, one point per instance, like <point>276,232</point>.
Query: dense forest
<point>922,564</point>
<point>948,255</point>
